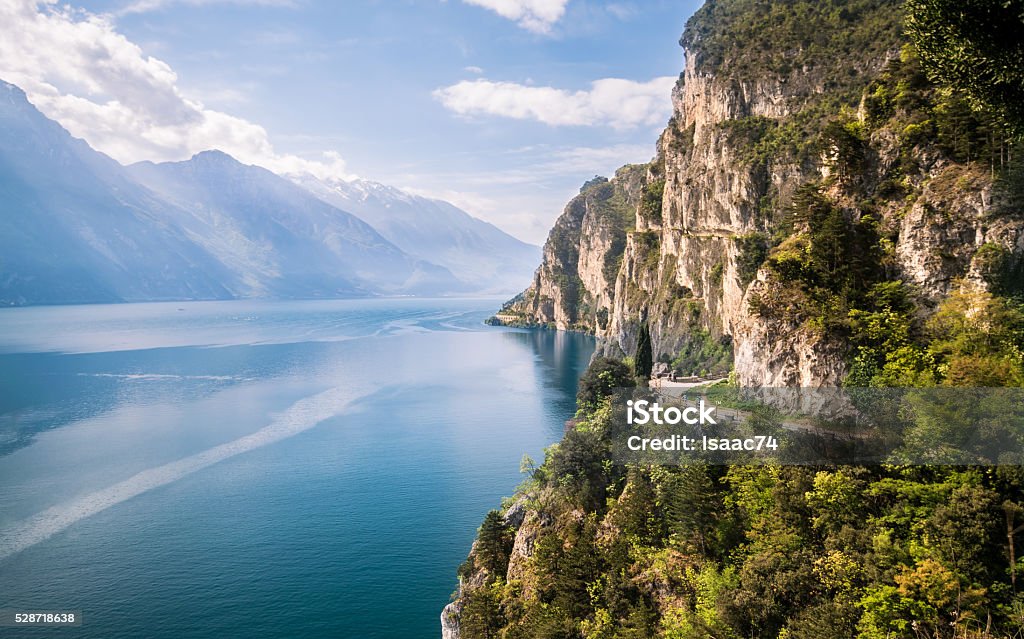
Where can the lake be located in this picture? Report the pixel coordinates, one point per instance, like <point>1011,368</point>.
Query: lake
<point>262,469</point>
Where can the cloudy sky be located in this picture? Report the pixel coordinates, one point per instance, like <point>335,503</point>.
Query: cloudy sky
<point>503,107</point>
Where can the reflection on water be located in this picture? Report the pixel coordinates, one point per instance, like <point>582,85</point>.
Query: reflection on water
<point>328,461</point>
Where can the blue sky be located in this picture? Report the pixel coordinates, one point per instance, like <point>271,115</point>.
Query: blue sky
<point>491,104</point>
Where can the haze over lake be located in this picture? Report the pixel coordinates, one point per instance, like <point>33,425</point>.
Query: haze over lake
<point>263,469</point>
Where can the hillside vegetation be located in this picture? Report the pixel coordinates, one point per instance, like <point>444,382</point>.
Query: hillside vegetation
<point>866,270</point>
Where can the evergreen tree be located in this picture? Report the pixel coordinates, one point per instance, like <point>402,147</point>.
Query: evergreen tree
<point>492,544</point>
<point>481,616</point>
<point>643,362</point>
<point>975,47</point>
<point>603,376</point>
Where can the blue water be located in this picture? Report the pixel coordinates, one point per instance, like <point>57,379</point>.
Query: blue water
<point>262,469</point>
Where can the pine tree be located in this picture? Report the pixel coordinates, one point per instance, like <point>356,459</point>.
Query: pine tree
<point>492,542</point>
<point>643,362</point>
<point>975,47</point>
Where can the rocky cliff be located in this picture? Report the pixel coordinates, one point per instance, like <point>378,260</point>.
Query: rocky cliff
<point>776,107</point>
<point>817,213</point>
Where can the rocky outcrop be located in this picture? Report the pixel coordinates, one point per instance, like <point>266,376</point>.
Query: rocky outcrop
<point>527,523</point>
<point>738,148</point>
<point>450,620</point>
<point>574,288</point>
<point>797,182</point>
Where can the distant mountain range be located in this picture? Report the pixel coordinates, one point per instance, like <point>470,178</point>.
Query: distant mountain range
<point>76,227</point>
<point>478,253</point>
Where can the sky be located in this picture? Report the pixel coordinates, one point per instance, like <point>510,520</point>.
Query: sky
<point>503,107</point>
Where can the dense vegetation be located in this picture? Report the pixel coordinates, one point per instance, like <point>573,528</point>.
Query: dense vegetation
<point>753,39</point>
<point>830,258</point>
<point>881,552</point>
<point>977,48</point>
<point>719,551</point>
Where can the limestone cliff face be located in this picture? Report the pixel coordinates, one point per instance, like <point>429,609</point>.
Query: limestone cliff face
<point>527,523</point>
<point>802,171</point>
<point>670,241</point>
<point>574,288</point>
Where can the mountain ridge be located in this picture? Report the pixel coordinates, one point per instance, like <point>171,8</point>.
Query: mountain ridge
<point>79,228</point>
<point>476,251</point>
<point>705,236</point>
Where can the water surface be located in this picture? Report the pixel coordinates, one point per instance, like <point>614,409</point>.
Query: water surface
<point>262,469</point>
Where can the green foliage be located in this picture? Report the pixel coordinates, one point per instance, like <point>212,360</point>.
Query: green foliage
<point>643,360</point>
<point>823,621</point>
<point>1009,186</point>
<point>481,616</point>
<point>753,250</point>
<point>1001,269</point>
<point>494,543</point>
<point>903,99</point>
<point>717,271</point>
<point>762,551</point>
<point>759,140</point>
<point>567,563</point>
<point>636,513</point>
<point>689,505</point>
<point>844,141</point>
<point>595,181</point>
<point>749,39</point>
<point>886,341</point>
<point>975,46</point>
<point>648,246</point>
<point>601,378</point>
<point>829,262</point>
<point>650,202</point>
<point>576,465</point>
<point>977,339</point>
<point>702,354</point>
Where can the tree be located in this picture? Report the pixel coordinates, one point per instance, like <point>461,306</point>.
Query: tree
<point>481,616</point>
<point>689,505</point>
<point>636,513</point>
<point>492,546</point>
<point>975,47</point>
<point>979,337</point>
<point>643,362</point>
<point>603,376</point>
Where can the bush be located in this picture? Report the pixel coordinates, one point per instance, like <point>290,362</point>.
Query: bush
<point>602,376</point>
<point>753,249</point>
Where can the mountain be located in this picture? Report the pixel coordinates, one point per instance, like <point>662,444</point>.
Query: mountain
<point>476,252</point>
<point>819,213</point>
<point>77,227</point>
<point>280,239</point>
<point>74,228</point>
<point>789,185</point>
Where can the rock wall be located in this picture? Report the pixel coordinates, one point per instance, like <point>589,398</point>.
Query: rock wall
<point>672,251</point>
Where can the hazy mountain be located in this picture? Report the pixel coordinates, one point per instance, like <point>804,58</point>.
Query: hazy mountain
<point>279,238</point>
<point>475,251</point>
<point>76,226</point>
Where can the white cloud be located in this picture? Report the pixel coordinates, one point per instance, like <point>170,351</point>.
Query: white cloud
<point>616,102</point>
<point>534,15</point>
<point>146,6</point>
<point>78,70</point>
<point>622,11</point>
<point>473,69</point>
